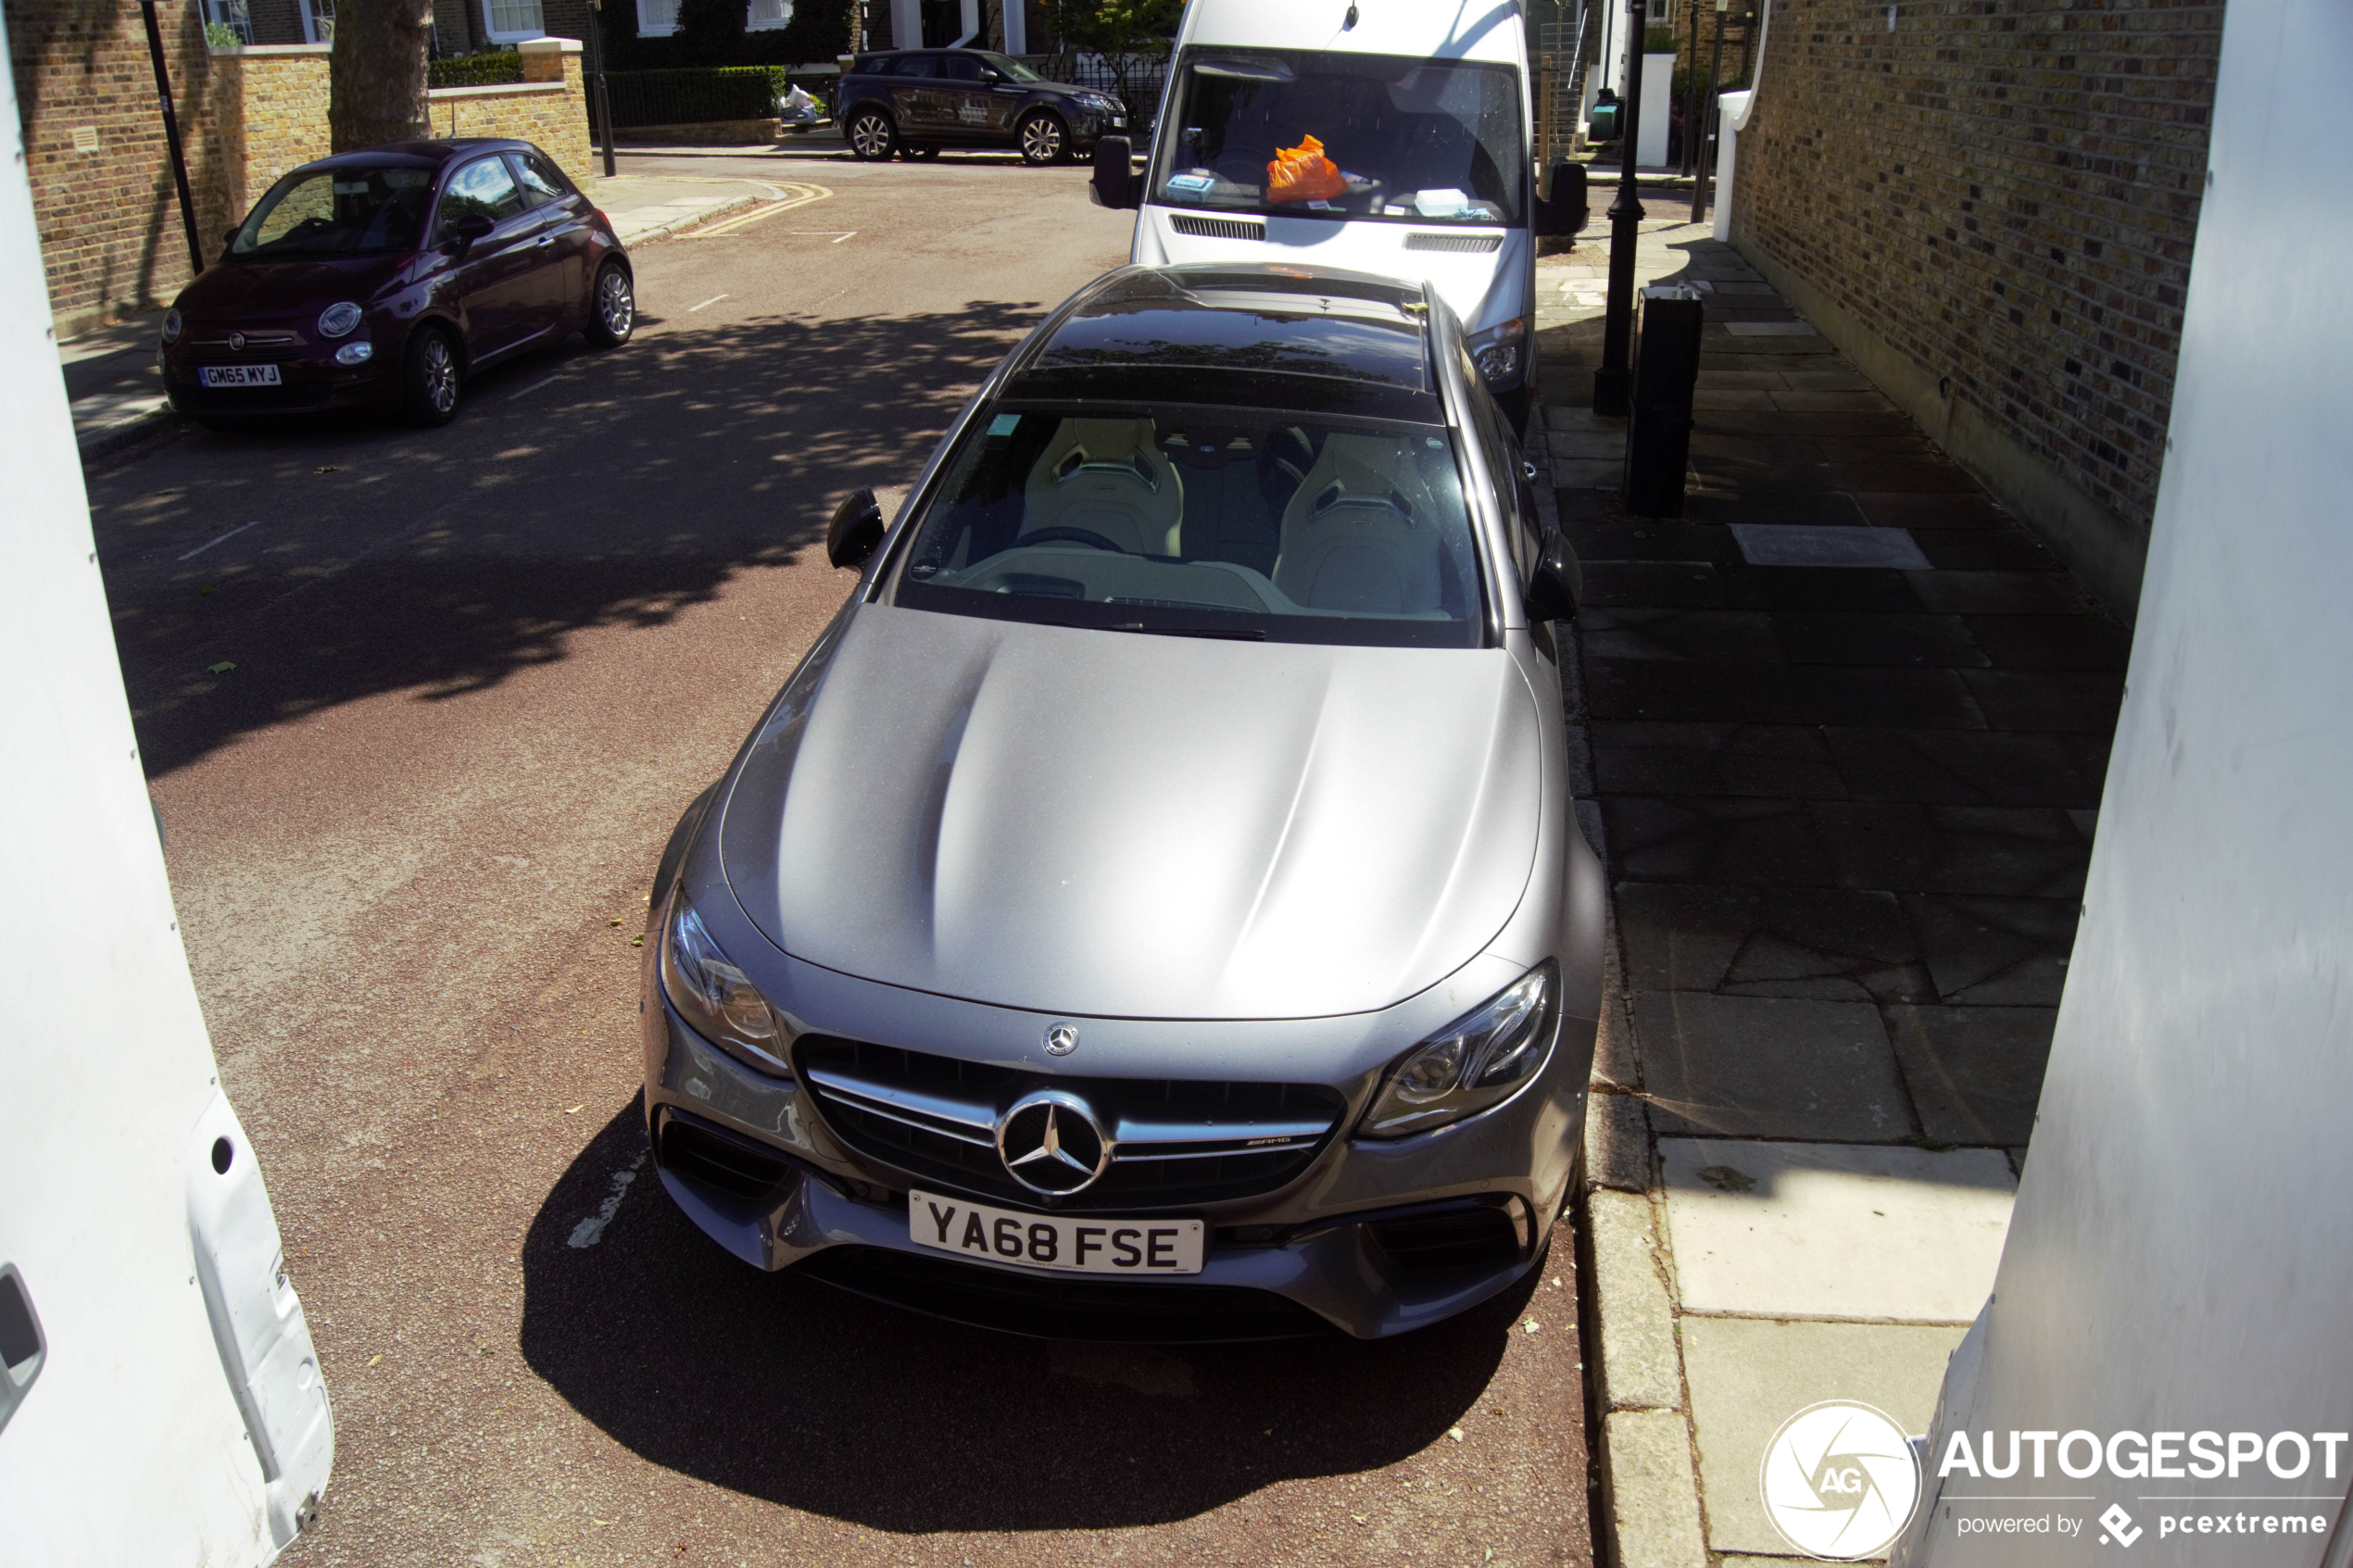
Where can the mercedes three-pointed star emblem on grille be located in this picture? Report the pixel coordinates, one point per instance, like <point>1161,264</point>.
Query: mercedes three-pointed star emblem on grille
<point>1051,1144</point>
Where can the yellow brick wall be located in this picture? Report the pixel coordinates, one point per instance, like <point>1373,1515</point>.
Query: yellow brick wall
<point>285,113</point>
<point>557,121</point>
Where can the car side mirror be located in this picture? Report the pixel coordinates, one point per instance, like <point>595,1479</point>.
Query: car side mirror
<point>467,230</point>
<point>856,530</point>
<point>1557,585</point>
<point>1115,183</point>
<point>230,238</point>
<point>1563,209</point>
<point>989,78</point>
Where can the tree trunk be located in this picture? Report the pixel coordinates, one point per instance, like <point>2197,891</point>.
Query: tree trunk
<point>376,75</point>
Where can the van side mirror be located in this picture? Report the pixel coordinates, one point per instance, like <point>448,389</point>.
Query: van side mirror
<point>1114,184</point>
<point>1563,209</point>
<point>1557,583</point>
<point>856,530</point>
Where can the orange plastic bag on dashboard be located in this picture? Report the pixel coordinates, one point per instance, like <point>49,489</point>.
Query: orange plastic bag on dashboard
<point>1304,174</point>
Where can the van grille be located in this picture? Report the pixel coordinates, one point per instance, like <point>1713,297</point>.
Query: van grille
<point>1475,244</point>
<point>1217,228</point>
<point>1178,1143</point>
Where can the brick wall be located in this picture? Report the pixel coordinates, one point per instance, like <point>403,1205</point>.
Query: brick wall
<point>103,199</point>
<point>550,107</point>
<point>2004,192</point>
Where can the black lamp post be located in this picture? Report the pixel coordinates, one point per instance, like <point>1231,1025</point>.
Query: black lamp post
<point>600,102</point>
<point>1707,115</point>
<point>1612,383</point>
<point>172,137</point>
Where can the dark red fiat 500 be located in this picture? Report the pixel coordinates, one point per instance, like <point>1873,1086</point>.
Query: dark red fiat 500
<point>395,273</point>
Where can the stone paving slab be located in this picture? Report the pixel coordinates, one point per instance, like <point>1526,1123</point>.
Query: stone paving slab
<point>1975,1073</point>
<point>1834,1230</point>
<point>1748,1375</point>
<point>1769,1067</point>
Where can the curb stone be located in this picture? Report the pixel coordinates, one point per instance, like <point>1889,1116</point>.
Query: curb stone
<point>1652,1492</point>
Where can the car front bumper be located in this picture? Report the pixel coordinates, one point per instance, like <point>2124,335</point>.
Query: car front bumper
<point>305,384</point>
<point>1318,1248</point>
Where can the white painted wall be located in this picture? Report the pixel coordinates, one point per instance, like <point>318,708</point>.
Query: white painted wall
<point>2181,1257</point>
<point>178,1416</point>
<point>1658,94</point>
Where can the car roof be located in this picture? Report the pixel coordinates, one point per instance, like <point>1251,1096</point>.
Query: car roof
<point>415,154</point>
<point>1241,335</point>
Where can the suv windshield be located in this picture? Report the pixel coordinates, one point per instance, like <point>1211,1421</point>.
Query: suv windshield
<point>338,212</point>
<point>1403,139</point>
<point>1203,521</point>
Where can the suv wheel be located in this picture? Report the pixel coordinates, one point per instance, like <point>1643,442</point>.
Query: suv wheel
<point>870,135</point>
<point>429,377</point>
<point>1043,139</point>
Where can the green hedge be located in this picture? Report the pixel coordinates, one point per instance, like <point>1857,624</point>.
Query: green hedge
<point>695,94</point>
<point>491,68</point>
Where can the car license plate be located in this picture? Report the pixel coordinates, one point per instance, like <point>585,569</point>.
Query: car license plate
<point>238,375</point>
<point>1079,1244</point>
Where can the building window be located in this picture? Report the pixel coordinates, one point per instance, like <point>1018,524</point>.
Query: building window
<point>513,20</point>
<point>231,15</point>
<point>760,14</point>
<point>318,21</point>
<point>657,18</point>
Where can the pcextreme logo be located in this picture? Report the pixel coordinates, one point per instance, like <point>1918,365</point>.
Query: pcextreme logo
<point>1839,1481</point>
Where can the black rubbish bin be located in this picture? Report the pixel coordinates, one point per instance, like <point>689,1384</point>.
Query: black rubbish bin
<point>1659,436</point>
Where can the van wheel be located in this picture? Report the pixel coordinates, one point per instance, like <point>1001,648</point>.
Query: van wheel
<point>870,135</point>
<point>1043,139</point>
<point>429,377</point>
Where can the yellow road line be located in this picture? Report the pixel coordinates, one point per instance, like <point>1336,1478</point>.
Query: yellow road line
<point>802,197</point>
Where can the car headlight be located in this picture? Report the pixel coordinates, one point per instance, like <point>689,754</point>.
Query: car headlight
<point>1481,1059</point>
<point>336,320</point>
<point>1500,350</point>
<point>714,996</point>
<point>1098,103</point>
<point>173,325</point>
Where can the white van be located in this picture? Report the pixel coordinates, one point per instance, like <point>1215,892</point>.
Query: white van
<point>1422,109</point>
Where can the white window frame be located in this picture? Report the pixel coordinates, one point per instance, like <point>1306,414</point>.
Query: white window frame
<point>657,25</point>
<point>491,31</point>
<point>754,22</point>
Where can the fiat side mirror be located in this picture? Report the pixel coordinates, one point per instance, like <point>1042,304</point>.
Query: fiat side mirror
<point>1557,583</point>
<point>1114,184</point>
<point>1564,208</point>
<point>473,226</point>
<point>857,528</point>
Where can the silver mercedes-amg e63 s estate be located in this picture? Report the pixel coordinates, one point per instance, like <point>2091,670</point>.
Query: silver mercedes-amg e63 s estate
<point>1153,909</point>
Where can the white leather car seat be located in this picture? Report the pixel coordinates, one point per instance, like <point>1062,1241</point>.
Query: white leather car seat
<point>1107,477</point>
<point>1362,533</point>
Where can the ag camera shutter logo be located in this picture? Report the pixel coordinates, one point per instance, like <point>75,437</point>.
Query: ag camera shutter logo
<point>1840,1481</point>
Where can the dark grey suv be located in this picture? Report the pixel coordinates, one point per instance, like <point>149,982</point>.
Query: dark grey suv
<point>914,102</point>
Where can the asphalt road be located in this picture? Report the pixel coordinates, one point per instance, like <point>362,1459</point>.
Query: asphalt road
<point>420,710</point>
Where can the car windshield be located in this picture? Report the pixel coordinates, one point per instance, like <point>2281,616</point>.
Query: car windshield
<point>1260,524</point>
<point>338,212</point>
<point>1340,136</point>
<point>1010,68</point>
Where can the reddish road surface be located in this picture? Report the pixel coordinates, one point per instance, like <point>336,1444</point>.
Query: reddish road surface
<point>477,673</point>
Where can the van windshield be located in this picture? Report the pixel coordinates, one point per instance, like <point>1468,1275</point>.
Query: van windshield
<point>1345,136</point>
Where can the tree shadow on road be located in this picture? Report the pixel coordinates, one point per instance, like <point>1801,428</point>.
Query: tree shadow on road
<point>786,1389</point>
<point>576,491</point>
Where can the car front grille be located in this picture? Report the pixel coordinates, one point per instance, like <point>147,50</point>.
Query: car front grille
<point>700,1152</point>
<point>1475,244</point>
<point>1217,228</point>
<point>1176,1142</point>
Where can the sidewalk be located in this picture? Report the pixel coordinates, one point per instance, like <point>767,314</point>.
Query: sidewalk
<point>648,206</point>
<point>1845,726</point>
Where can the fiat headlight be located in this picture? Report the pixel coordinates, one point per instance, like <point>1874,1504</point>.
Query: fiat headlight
<point>173,324</point>
<point>716,998</point>
<point>336,320</point>
<point>1481,1059</point>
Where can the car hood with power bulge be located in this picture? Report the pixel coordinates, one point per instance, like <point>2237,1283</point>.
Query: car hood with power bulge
<point>1119,824</point>
<point>295,288</point>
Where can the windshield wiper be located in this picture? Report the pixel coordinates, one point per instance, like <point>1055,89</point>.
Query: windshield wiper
<point>1230,634</point>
